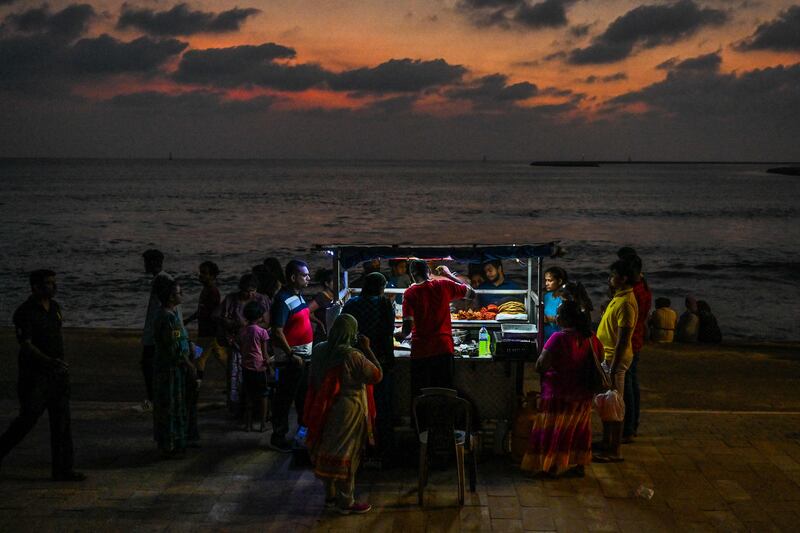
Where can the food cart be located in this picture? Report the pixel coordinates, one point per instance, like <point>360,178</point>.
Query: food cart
<point>494,383</point>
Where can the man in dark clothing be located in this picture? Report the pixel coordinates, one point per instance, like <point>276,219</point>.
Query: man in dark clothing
<point>375,316</point>
<point>43,376</point>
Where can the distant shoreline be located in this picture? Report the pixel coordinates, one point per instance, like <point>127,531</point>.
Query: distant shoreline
<point>178,159</point>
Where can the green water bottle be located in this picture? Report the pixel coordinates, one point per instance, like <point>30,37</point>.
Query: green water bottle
<point>484,350</point>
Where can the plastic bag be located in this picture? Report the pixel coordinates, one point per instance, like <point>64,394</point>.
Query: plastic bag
<point>610,406</point>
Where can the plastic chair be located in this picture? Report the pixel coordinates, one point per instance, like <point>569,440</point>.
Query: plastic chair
<point>439,416</point>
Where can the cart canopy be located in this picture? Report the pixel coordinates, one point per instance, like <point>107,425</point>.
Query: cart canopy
<point>352,255</point>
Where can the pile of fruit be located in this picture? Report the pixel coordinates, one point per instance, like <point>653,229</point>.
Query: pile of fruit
<point>512,308</point>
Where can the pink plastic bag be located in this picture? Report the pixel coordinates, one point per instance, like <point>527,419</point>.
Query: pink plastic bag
<point>610,406</point>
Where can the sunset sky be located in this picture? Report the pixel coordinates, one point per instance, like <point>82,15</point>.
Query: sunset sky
<point>508,79</point>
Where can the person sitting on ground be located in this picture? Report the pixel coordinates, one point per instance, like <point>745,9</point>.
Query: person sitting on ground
<point>341,412</point>
<point>708,330</point>
<point>561,438</point>
<point>688,323</point>
<point>375,316</point>
<point>663,321</point>
<point>496,279</point>
<point>172,368</point>
<point>554,278</point>
<point>253,341</point>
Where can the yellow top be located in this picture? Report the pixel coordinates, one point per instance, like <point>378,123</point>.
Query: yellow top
<point>621,312</point>
<point>663,324</point>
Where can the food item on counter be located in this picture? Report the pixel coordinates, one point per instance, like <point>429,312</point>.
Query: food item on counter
<point>490,312</point>
<point>512,308</point>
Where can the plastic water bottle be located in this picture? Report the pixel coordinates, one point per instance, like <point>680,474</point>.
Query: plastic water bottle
<point>484,350</point>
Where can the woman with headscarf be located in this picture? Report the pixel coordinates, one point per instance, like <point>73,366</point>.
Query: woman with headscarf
<point>340,411</point>
<point>374,313</point>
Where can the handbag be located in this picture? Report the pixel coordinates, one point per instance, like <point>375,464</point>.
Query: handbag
<point>597,379</point>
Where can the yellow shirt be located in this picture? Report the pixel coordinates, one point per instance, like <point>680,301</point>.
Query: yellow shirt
<point>621,312</point>
<point>662,324</point>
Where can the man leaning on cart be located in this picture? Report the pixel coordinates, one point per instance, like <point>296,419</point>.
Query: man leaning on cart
<point>426,317</point>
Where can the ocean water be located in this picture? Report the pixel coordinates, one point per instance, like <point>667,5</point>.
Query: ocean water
<point>729,234</point>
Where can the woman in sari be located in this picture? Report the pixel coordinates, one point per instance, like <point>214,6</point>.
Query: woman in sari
<point>172,368</point>
<point>561,438</point>
<point>340,411</point>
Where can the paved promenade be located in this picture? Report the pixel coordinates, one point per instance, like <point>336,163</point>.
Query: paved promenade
<point>710,471</point>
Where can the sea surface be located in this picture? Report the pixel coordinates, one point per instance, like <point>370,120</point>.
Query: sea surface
<point>726,233</point>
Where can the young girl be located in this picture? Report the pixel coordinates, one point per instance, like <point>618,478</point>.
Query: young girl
<point>554,278</point>
<point>253,341</point>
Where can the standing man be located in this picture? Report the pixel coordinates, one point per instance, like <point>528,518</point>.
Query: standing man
<point>615,332</point>
<point>292,337</point>
<point>496,279</point>
<point>644,299</point>
<point>426,317</point>
<point>153,265</point>
<point>43,375</point>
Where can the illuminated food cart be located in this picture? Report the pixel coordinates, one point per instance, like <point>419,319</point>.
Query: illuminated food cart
<point>491,383</point>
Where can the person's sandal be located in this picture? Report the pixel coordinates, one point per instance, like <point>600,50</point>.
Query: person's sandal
<point>356,508</point>
<point>607,459</point>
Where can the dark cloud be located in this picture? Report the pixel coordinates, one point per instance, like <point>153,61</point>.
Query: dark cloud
<point>781,34</point>
<point>396,105</point>
<point>6,2</point>
<point>69,23</point>
<point>493,91</point>
<point>188,103</point>
<point>181,20</point>
<point>556,91</point>
<point>707,62</point>
<point>107,55</point>
<point>509,14</point>
<point>580,30</point>
<point>41,63</point>
<point>398,76</point>
<point>647,26</point>
<point>618,76</point>
<point>762,95</point>
<point>248,66</point>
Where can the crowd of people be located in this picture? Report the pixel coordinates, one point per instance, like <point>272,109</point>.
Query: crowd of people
<point>560,441</point>
<point>333,358</point>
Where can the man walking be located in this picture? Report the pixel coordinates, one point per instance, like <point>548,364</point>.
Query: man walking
<point>292,337</point>
<point>43,376</point>
<point>153,265</point>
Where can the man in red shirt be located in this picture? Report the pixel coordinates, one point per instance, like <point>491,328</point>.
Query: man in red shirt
<point>644,299</point>
<point>426,317</point>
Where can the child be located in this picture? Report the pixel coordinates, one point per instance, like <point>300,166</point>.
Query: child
<point>206,325</point>
<point>253,341</point>
<point>663,321</point>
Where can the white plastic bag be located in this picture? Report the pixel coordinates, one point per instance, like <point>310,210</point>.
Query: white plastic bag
<point>610,406</point>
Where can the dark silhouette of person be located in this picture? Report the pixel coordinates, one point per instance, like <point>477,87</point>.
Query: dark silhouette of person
<point>43,376</point>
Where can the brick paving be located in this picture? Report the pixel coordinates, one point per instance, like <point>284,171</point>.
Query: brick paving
<point>710,471</point>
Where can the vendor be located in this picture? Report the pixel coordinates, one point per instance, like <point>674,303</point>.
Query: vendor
<point>426,317</point>
<point>496,279</point>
